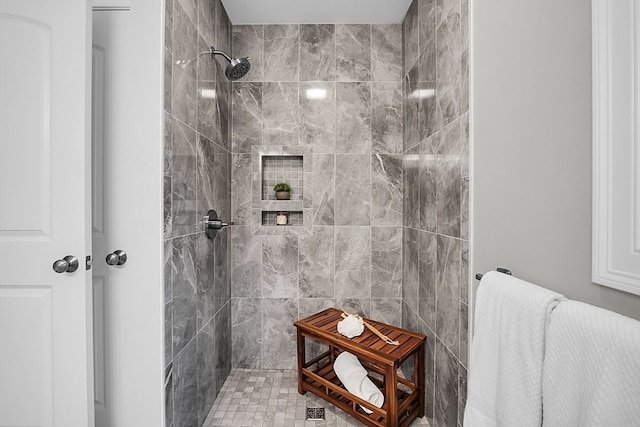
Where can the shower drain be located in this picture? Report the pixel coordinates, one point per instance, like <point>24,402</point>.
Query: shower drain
<point>315,414</point>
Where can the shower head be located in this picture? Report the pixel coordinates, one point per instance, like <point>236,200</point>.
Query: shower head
<point>237,68</point>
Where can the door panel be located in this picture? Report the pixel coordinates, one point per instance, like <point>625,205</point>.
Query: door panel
<point>46,360</point>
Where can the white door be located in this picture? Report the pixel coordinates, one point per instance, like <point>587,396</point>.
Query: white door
<point>127,207</point>
<point>46,360</point>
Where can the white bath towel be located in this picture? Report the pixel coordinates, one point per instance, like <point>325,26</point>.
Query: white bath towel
<point>354,377</point>
<point>591,371</point>
<point>505,366</point>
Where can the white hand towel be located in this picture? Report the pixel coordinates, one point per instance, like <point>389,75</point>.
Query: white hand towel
<point>505,366</point>
<point>354,377</point>
<point>591,371</point>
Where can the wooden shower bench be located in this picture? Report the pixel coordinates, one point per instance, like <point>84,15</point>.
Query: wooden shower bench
<point>404,398</point>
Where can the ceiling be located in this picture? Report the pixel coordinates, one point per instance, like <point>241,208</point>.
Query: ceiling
<point>316,11</point>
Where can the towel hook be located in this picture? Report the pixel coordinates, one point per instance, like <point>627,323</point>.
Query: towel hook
<point>499,270</point>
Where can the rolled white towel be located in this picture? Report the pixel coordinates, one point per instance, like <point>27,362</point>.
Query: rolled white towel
<point>354,377</point>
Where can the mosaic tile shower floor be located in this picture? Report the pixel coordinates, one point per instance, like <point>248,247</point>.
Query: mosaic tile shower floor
<point>269,397</point>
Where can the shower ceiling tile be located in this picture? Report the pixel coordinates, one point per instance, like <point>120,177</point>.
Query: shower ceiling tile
<point>316,11</point>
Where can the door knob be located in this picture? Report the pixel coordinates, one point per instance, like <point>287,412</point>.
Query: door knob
<point>68,264</point>
<point>118,257</point>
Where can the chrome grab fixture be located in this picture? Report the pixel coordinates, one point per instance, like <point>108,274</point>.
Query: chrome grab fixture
<point>212,224</point>
<point>118,257</point>
<point>68,264</point>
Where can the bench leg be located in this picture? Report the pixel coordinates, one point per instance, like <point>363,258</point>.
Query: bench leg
<point>301,359</point>
<point>419,381</point>
<point>391,380</point>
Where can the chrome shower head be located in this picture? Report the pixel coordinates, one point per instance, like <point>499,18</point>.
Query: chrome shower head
<point>237,68</point>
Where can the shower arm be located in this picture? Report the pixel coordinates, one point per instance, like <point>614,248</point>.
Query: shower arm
<point>213,52</point>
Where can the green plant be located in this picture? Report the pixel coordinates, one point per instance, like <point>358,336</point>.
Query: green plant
<point>282,186</point>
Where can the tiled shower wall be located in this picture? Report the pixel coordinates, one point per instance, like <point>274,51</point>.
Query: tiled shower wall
<point>351,251</point>
<point>197,178</point>
<point>436,182</point>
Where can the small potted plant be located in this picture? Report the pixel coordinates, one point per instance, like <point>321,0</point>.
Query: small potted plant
<point>283,191</point>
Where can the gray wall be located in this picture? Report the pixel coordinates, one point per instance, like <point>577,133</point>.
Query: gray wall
<point>197,178</point>
<point>436,178</point>
<point>531,133</point>
<point>349,251</point>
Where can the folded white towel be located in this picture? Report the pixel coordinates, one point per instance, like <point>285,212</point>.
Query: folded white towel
<point>591,371</point>
<point>505,366</point>
<point>354,377</point>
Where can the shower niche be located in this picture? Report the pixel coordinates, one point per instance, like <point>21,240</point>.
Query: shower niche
<point>277,164</point>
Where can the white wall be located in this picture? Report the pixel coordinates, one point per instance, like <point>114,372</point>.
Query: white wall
<point>531,146</point>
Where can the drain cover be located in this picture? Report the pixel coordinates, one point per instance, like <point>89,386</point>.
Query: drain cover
<point>315,414</point>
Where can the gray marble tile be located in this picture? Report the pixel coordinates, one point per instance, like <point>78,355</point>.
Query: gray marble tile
<point>278,332</point>
<point>449,141</point>
<point>246,262</point>
<point>448,194</point>
<point>241,186</point>
<point>246,327</point>
<point>184,66</point>
<point>168,24</point>
<point>222,344</point>
<point>247,116</point>
<point>207,96</point>
<point>429,369</point>
<point>317,264</point>
<point>462,393</point>
<point>353,262</point>
<point>430,118</point>
<point>386,52</point>
<point>323,195</point>
<point>464,334</point>
<point>224,34</point>
<point>353,189</point>
<point>222,280</point>
<point>207,176</point>
<point>168,395</point>
<point>387,311</point>
<point>309,306</point>
<point>205,362</point>
<point>317,52</point>
<point>353,110</point>
<point>386,262</point>
<point>411,118</point>
<point>205,267</point>
<point>280,113</point>
<point>318,116</point>
<point>280,266</point>
<point>386,189</point>
<point>411,166</point>
<point>168,270</point>
<point>464,207</point>
<point>281,53</point>
<point>428,184</point>
<point>411,36</point>
<point>386,117</point>
<point>222,113</point>
<point>185,387</point>
<point>446,387</point>
<point>448,292</point>
<point>168,328</point>
<point>410,268</point>
<point>168,143</point>
<point>183,180</point>
<point>248,41</point>
<point>426,21</point>
<point>464,271</point>
<point>428,275</point>
<point>207,21</point>
<point>449,66</point>
<point>190,7</point>
<point>221,185</point>
<point>168,79</point>
<point>184,291</point>
<point>168,220</point>
<point>353,52</point>
<point>444,8</point>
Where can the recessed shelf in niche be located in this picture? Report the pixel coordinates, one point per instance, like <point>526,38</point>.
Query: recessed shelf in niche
<point>287,169</point>
<point>269,218</point>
